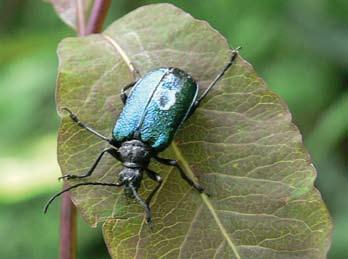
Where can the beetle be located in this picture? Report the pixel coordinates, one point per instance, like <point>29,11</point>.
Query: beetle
<point>156,106</point>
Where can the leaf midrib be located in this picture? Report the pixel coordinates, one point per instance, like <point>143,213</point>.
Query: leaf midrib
<point>206,200</point>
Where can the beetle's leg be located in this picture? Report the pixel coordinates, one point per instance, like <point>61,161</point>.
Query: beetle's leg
<point>143,204</point>
<point>82,125</point>
<point>111,151</point>
<point>123,94</point>
<point>217,78</point>
<point>175,163</point>
<point>157,178</point>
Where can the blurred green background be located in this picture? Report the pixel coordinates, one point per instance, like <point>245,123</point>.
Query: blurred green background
<point>299,47</point>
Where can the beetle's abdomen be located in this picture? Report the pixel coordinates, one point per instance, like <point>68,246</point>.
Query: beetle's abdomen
<point>157,105</point>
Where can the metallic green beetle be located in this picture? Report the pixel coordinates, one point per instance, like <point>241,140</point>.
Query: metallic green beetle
<point>154,109</point>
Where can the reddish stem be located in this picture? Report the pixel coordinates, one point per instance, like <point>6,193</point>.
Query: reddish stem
<point>68,209</point>
<point>80,18</point>
<point>67,227</point>
<point>98,15</point>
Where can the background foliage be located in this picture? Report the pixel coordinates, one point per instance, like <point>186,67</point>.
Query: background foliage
<point>299,47</point>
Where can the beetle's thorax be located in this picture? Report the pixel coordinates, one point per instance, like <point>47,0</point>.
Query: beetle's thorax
<point>134,154</point>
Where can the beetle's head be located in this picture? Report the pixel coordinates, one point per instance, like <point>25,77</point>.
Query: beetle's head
<point>131,176</point>
<point>135,156</point>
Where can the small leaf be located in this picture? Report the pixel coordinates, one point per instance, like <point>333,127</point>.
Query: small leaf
<point>66,9</point>
<point>240,144</point>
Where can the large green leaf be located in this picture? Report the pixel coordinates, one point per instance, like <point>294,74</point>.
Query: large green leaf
<point>240,144</point>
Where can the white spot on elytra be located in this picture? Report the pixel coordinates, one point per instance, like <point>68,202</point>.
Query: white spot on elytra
<point>165,98</point>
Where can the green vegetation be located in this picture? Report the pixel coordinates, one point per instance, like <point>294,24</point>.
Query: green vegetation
<point>298,48</point>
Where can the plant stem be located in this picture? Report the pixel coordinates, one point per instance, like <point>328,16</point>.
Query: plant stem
<point>98,15</point>
<point>68,227</point>
<point>80,18</point>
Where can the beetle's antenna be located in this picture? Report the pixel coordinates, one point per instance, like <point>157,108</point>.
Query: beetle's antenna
<point>219,76</point>
<point>142,203</point>
<point>75,186</point>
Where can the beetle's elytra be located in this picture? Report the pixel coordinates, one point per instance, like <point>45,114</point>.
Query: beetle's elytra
<point>156,106</point>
